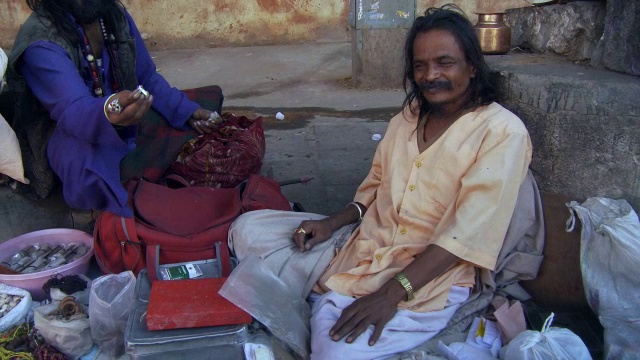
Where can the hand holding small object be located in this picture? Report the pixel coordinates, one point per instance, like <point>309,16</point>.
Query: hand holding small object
<point>127,108</point>
<point>205,121</point>
<point>215,118</point>
<point>310,233</point>
<point>144,93</point>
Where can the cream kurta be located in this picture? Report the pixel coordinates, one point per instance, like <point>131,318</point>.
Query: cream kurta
<point>459,193</point>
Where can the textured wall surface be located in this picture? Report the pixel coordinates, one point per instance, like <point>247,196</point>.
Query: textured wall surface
<point>378,52</point>
<point>175,24</point>
<point>572,29</point>
<point>473,7</point>
<point>377,57</point>
<point>584,124</point>
<point>619,47</point>
<point>180,24</point>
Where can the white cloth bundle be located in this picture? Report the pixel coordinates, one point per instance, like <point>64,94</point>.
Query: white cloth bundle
<point>10,156</point>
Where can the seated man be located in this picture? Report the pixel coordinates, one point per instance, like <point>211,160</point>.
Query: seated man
<point>435,206</point>
<point>82,61</point>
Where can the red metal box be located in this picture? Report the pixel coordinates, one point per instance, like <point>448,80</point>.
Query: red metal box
<point>192,303</point>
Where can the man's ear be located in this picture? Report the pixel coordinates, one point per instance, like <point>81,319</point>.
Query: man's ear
<point>473,72</point>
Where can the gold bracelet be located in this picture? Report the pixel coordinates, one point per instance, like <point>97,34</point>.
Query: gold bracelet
<point>405,284</point>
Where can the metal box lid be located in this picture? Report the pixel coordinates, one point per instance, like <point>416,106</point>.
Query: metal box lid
<point>140,341</point>
<point>223,342</point>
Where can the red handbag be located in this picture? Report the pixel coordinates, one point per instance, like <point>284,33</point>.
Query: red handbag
<point>225,157</point>
<point>178,225</point>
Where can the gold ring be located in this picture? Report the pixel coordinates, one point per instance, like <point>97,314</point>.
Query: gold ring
<point>300,231</point>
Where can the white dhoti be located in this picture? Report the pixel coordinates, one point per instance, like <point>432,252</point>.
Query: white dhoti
<point>406,330</point>
<point>268,234</point>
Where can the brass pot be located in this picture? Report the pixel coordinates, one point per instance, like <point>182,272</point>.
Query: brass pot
<point>494,35</point>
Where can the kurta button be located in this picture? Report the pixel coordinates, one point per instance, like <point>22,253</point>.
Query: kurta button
<point>418,163</point>
<point>378,256</point>
<point>412,187</point>
<point>403,231</point>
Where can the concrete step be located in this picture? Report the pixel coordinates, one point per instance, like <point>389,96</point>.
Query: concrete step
<point>584,124</point>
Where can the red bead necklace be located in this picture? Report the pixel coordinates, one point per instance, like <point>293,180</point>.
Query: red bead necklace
<point>96,71</point>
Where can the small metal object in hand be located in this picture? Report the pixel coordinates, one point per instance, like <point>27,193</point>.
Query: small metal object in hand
<point>142,91</point>
<point>114,107</point>
<point>215,118</point>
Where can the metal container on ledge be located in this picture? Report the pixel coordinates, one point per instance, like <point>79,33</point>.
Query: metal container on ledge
<point>494,35</point>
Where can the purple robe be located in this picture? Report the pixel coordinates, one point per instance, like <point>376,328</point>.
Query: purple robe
<point>85,150</point>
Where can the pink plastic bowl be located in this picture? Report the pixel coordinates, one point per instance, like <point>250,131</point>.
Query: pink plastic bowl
<point>33,282</point>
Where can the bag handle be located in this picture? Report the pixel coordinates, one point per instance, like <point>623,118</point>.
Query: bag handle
<point>224,259</point>
<point>129,230</point>
<point>153,261</point>
<point>174,178</point>
<point>222,255</point>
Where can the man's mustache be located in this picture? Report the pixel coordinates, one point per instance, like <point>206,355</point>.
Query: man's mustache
<point>435,85</point>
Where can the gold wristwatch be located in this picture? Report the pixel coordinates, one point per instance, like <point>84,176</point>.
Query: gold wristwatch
<point>405,284</point>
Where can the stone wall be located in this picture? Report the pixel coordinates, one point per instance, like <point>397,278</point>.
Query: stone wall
<point>619,47</point>
<point>604,34</point>
<point>584,121</point>
<point>377,52</point>
<point>572,30</point>
<point>180,24</point>
<point>584,124</point>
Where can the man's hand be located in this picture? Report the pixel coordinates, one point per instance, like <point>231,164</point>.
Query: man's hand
<point>379,307</point>
<point>312,232</point>
<point>134,106</point>
<point>374,309</point>
<point>199,122</point>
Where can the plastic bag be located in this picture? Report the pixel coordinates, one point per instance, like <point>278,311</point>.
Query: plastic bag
<point>609,258</point>
<point>110,303</point>
<point>482,342</point>
<point>71,337</point>
<point>246,287</point>
<point>547,344</point>
<point>18,313</point>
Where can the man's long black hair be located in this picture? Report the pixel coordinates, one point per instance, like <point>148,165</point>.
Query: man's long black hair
<point>452,19</point>
<point>56,10</point>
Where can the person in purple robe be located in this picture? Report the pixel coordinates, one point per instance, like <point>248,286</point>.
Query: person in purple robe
<point>85,64</point>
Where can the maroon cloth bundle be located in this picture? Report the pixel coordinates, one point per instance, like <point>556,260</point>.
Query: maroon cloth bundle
<point>224,158</point>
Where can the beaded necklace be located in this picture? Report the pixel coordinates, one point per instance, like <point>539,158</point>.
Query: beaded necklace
<point>96,71</point>
<point>112,48</point>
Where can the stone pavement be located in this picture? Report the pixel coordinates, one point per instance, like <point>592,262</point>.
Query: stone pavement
<point>328,125</point>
